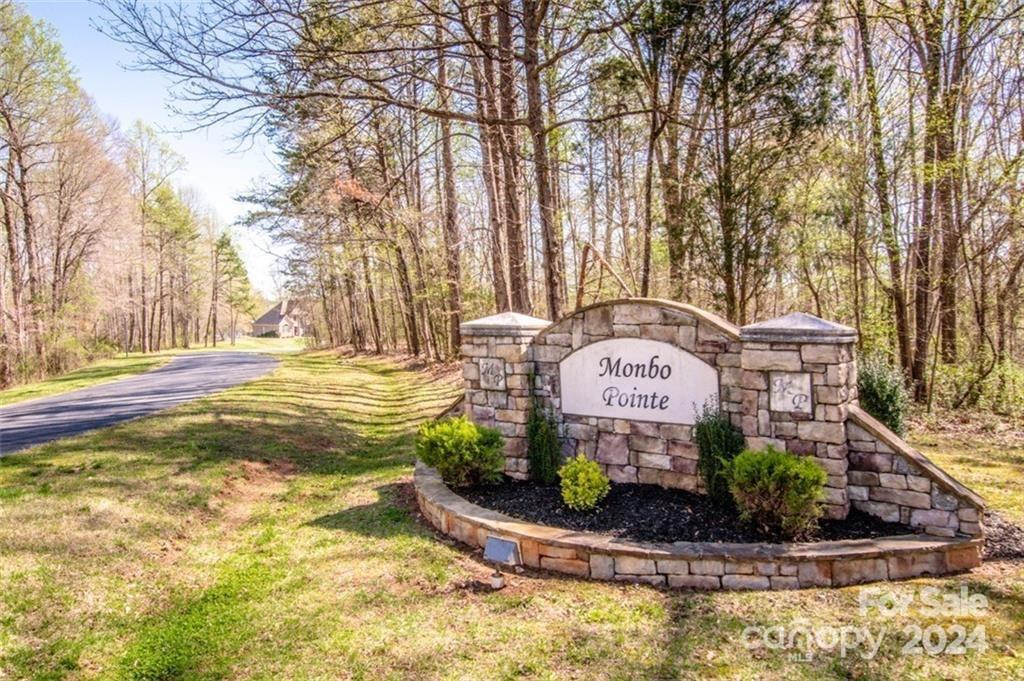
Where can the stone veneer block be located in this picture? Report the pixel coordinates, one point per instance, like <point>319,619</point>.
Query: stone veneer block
<point>579,568</point>
<point>846,572</point>
<point>703,582</point>
<point>602,567</point>
<point>745,582</point>
<point>631,565</point>
<point>784,583</point>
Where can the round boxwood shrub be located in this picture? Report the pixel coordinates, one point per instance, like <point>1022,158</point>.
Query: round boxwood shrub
<point>882,392</point>
<point>778,492</point>
<point>718,443</point>
<point>461,451</point>
<point>583,483</point>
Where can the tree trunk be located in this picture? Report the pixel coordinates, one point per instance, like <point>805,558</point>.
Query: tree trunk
<point>486,106</point>
<point>923,237</point>
<point>451,226</point>
<point>515,234</point>
<point>947,165</point>
<point>889,235</point>
<point>371,301</point>
<point>28,223</point>
<point>14,261</point>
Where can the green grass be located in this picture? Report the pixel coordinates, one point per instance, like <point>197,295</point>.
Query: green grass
<point>992,467</point>
<point>135,363</point>
<point>268,532</point>
<point>201,635</point>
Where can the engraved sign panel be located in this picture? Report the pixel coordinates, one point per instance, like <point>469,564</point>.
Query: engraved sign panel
<point>791,392</point>
<point>639,379</point>
<point>492,374</point>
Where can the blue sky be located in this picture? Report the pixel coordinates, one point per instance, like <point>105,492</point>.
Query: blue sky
<point>216,168</point>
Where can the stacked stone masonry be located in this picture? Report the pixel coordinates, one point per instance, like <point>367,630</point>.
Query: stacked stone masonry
<point>867,466</point>
<point>891,480</point>
<point>691,564</point>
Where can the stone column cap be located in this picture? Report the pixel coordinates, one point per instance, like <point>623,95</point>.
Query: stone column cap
<point>504,324</point>
<point>798,327</point>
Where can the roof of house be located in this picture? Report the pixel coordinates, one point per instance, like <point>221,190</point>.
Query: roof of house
<point>276,314</point>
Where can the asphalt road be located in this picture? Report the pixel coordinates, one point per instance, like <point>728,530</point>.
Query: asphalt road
<point>184,378</point>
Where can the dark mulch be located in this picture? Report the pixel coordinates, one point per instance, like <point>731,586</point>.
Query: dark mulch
<point>652,513</point>
<point>1003,539</point>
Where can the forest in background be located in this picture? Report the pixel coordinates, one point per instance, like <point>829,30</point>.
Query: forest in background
<point>102,251</point>
<point>445,159</point>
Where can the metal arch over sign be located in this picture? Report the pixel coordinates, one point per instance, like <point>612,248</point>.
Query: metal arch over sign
<point>636,379</point>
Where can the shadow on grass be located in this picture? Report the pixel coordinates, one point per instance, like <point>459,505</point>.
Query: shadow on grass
<point>389,516</point>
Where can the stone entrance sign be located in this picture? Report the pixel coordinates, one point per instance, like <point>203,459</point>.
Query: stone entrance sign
<point>636,379</point>
<point>625,379</point>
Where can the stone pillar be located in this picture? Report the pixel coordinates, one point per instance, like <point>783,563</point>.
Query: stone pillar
<point>803,368</point>
<point>496,366</point>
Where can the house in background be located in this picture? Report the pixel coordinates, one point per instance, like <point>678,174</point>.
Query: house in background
<point>284,320</point>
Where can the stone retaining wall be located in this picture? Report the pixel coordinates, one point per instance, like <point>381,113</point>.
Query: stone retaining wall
<point>891,480</point>
<point>691,564</point>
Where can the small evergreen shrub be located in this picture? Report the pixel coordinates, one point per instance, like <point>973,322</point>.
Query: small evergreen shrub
<point>583,483</point>
<point>882,393</point>
<point>778,492</point>
<point>461,451</point>
<point>543,446</point>
<point>718,443</point>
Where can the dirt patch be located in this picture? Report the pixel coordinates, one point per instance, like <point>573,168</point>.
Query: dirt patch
<point>252,483</point>
<point>996,429</point>
<point>403,495</point>
<point>652,513</point>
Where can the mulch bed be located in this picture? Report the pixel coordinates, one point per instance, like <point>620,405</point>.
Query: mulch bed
<point>1003,539</point>
<point>654,514</point>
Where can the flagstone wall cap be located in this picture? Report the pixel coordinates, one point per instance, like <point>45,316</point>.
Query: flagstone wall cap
<point>798,327</point>
<point>504,324</point>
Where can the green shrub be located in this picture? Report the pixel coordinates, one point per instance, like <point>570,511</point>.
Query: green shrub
<point>881,391</point>
<point>461,451</point>
<point>718,443</point>
<point>777,491</point>
<point>583,483</point>
<point>543,446</point>
<point>1001,391</point>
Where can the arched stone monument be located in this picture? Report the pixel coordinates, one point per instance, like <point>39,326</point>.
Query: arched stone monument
<point>627,378</point>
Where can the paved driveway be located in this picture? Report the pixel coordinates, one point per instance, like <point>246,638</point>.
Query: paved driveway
<point>184,378</point>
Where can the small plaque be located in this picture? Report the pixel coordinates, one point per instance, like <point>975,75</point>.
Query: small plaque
<point>504,551</point>
<point>492,374</point>
<point>791,392</point>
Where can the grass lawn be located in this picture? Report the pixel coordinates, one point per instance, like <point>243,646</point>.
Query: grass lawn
<point>121,367</point>
<point>267,532</point>
<point>991,466</point>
